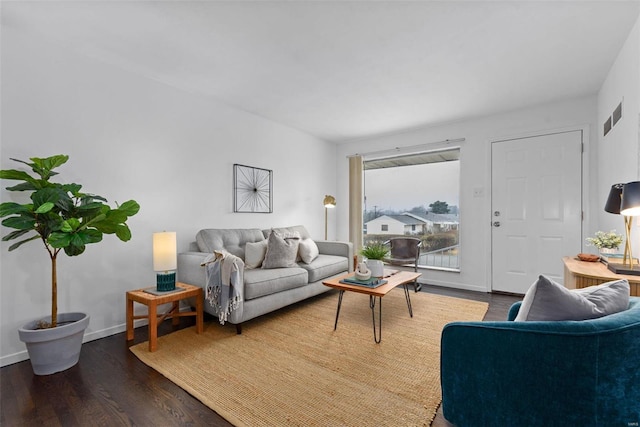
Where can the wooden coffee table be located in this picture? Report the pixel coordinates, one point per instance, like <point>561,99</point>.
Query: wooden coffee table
<point>153,301</point>
<point>400,278</point>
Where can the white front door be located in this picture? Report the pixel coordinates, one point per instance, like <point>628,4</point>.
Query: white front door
<point>536,212</point>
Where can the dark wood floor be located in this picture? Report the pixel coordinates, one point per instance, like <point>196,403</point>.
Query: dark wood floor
<point>111,387</point>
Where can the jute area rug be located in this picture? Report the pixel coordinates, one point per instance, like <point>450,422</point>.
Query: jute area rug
<point>291,368</point>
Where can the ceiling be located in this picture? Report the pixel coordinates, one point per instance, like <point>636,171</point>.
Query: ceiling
<point>343,70</point>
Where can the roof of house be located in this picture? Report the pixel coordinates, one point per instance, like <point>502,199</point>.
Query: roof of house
<point>404,219</point>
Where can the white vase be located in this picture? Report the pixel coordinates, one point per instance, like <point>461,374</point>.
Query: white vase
<point>608,251</point>
<point>376,267</point>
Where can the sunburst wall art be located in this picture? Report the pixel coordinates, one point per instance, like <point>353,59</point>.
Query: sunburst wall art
<point>252,189</point>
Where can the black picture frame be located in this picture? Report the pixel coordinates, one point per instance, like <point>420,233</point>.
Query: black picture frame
<point>252,189</point>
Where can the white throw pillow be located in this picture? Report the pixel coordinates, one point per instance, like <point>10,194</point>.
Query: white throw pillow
<point>308,250</point>
<point>547,300</point>
<point>254,253</point>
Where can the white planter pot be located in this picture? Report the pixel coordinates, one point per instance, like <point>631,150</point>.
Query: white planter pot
<point>55,349</point>
<point>376,267</point>
<point>608,251</point>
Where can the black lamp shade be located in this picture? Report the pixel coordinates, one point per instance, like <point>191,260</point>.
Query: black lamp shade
<point>630,205</point>
<point>614,200</point>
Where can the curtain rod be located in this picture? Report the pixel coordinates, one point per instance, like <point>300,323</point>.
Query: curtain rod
<point>407,149</point>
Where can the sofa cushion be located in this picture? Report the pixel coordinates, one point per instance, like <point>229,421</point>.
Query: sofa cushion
<point>282,250</point>
<point>260,282</point>
<point>231,240</point>
<point>547,300</point>
<point>254,253</point>
<point>325,266</point>
<point>308,250</point>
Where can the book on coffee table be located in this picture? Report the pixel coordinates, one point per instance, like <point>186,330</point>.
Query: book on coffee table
<point>373,282</point>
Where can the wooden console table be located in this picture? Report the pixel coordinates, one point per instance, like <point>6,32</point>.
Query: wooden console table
<point>580,274</point>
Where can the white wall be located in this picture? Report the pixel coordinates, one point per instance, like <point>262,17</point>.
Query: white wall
<point>475,172</point>
<point>131,137</point>
<point>619,150</point>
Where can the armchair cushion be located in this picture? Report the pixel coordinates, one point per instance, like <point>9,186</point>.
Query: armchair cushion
<point>547,300</point>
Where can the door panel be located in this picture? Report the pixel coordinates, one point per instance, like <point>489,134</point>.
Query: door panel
<point>536,189</point>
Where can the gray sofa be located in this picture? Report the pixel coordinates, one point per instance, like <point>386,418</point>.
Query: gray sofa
<point>265,290</point>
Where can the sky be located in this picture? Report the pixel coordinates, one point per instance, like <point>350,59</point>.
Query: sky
<point>403,188</point>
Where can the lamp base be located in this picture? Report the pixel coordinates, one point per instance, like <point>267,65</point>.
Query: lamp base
<point>624,269</point>
<point>166,281</point>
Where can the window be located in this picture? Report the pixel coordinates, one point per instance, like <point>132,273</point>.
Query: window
<point>419,196</point>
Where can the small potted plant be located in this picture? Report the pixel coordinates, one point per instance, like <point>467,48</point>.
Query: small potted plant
<point>374,253</point>
<point>606,242</point>
<point>64,219</point>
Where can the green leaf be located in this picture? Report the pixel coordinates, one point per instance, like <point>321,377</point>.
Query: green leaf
<point>72,188</point>
<point>59,240</point>
<point>25,186</point>
<point>130,207</point>
<point>11,208</point>
<point>44,166</point>
<point>46,195</point>
<point>74,250</point>
<point>90,207</point>
<point>44,208</point>
<point>16,175</point>
<point>70,225</point>
<point>52,162</point>
<point>123,232</point>
<point>16,234</point>
<point>116,216</point>
<point>90,236</point>
<point>21,222</point>
<point>22,242</point>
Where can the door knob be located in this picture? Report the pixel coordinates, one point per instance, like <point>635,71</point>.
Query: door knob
<point>496,224</point>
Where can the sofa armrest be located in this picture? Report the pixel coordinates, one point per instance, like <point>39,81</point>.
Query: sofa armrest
<point>190,270</point>
<point>514,310</point>
<point>339,248</point>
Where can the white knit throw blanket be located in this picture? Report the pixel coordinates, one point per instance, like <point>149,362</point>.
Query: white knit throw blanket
<point>223,275</point>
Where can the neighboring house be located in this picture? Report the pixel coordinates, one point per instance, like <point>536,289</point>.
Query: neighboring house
<point>439,222</point>
<point>410,224</point>
<point>396,224</point>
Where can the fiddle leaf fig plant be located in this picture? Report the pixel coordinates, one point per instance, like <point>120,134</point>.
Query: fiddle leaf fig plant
<point>60,215</point>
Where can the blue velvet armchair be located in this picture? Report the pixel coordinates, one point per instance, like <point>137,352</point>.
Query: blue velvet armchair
<point>564,373</point>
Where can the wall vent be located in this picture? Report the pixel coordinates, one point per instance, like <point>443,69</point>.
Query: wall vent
<point>617,114</point>
<point>614,118</point>
<point>607,125</point>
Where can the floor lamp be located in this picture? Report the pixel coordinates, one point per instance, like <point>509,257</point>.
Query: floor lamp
<point>329,203</point>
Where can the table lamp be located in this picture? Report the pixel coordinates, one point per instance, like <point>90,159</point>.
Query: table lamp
<point>165,260</point>
<point>629,207</point>
<point>614,202</point>
<point>329,203</point>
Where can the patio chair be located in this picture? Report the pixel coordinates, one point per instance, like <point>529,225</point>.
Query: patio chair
<point>404,251</point>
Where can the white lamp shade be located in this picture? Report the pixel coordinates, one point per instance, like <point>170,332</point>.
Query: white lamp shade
<point>165,256</point>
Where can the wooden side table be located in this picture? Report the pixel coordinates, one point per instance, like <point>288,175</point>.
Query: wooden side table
<point>153,301</point>
<point>580,274</point>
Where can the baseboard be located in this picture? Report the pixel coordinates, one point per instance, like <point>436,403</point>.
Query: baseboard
<point>456,285</point>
